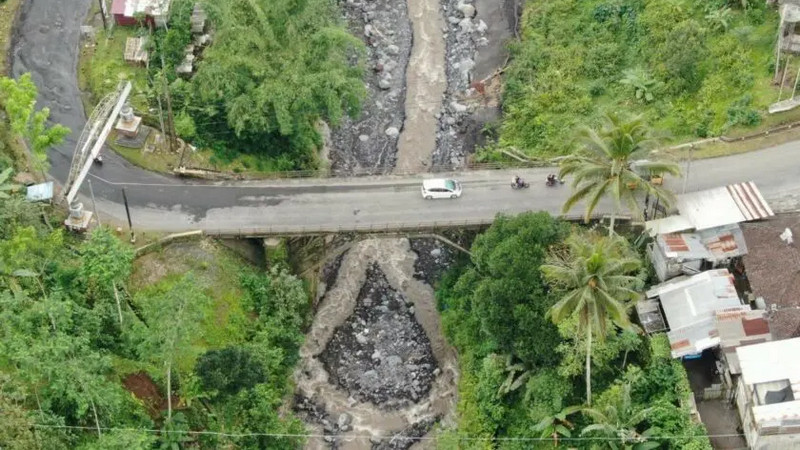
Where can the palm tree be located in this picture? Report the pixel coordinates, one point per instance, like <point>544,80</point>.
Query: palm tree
<point>617,422</point>
<point>606,167</point>
<point>594,274</point>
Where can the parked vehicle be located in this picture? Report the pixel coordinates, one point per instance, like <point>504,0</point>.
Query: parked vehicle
<point>440,188</point>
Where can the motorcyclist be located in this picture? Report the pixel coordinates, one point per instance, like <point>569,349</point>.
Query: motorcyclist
<point>518,182</point>
<point>551,179</point>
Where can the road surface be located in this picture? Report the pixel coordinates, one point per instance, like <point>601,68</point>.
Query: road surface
<point>47,46</point>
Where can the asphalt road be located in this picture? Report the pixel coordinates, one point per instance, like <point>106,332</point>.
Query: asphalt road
<point>48,46</point>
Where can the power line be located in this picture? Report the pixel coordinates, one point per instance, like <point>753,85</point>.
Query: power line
<point>414,438</point>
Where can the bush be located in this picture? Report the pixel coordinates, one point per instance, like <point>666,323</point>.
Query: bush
<point>229,370</point>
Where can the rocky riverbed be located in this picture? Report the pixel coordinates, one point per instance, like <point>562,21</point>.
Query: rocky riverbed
<point>375,370</point>
<point>369,142</point>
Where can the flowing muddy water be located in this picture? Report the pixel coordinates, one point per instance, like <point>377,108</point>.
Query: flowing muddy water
<point>425,84</point>
<point>377,329</point>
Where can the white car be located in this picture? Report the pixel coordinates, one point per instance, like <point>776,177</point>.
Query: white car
<point>440,188</point>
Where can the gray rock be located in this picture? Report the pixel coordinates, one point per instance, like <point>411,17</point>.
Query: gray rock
<point>465,25</point>
<point>392,132</point>
<point>363,138</point>
<point>458,107</point>
<point>361,339</point>
<point>368,30</point>
<point>377,356</point>
<point>467,10</point>
<point>482,27</point>
<point>392,49</point>
<point>436,252</point>
<point>453,19</point>
<point>394,360</point>
<point>344,421</point>
<point>450,120</point>
<point>384,84</point>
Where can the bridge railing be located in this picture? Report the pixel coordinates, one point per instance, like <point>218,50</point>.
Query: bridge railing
<point>385,227</point>
<point>373,171</point>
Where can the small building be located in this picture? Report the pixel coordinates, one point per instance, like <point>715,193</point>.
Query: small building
<point>675,254</point>
<point>772,267</point>
<point>768,394</point>
<point>738,329</point>
<point>153,12</point>
<point>689,306</point>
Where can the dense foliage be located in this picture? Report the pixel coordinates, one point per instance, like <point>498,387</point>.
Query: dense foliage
<point>692,68</point>
<point>89,352</point>
<point>520,374</point>
<point>275,68</point>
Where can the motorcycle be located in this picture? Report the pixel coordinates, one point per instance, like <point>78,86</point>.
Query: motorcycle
<point>552,180</point>
<point>520,185</point>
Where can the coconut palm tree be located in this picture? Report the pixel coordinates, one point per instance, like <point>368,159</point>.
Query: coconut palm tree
<point>618,422</point>
<point>607,166</point>
<point>595,275</point>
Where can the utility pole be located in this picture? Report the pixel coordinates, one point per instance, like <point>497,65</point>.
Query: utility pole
<point>103,14</point>
<point>128,212</point>
<point>688,168</point>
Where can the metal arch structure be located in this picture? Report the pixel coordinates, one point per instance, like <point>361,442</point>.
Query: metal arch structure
<point>92,138</point>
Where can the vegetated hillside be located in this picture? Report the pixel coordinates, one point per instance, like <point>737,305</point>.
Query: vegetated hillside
<point>694,68</point>
<point>274,68</point>
<point>520,373</point>
<point>93,342</point>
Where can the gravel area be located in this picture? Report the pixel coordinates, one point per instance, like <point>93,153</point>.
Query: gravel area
<point>381,353</point>
<point>433,259</point>
<point>465,33</point>
<point>369,142</point>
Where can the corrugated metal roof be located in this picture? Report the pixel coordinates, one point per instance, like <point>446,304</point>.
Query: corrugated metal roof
<point>690,305</point>
<point>738,329</point>
<point>734,203</point>
<point>40,192</point>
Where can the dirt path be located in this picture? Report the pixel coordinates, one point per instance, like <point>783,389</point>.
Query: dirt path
<point>333,411</point>
<point>425,84</point>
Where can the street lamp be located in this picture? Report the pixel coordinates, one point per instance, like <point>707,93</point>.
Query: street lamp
<point>688,169</point>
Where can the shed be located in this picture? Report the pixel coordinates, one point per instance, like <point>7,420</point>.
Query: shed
<point>735,203</point>
<point>155,12</point>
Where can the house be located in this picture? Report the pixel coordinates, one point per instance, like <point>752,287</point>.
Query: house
<point>768,394</point>
<point>772,268</point>
<point>689,306</point>
<point>674,254</point>
<point>128,12</point>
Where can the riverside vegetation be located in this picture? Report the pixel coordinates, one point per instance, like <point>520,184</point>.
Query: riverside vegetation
<point>693,69</point>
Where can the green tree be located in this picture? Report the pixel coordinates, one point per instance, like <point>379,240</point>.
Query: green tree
<point>6,186</point>
<point>229,370</point>
<point>605,167</point>
<point>499,304</point>
<point>105,263</point>
<point>644,86</point>
<point>173,317</point>
<point>19,99</point>
<point>593,272</point>
<point>618,420</point>
<point>275,68</point>
<point>122,440</point>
